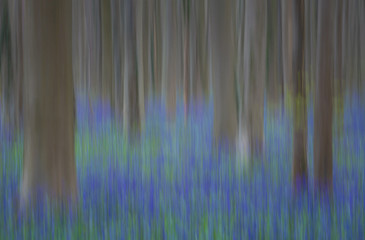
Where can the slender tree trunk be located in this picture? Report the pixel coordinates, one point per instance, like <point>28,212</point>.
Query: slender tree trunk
<point>339,90</point>
<point>287,29</point>
<point>169,57</point>
<point>158,45</point>
<point>117,67</point>
<point>15,13</point>
<point>221,37</point>
<point>239,58</point>
<point>142,74</point>
<point>151,49</point>
<point>280,63</point>
<point>362,40</point>
<point>131,114</point>
<point>107,54</point>
<point>299,107</point>
<point>186,83</point>
<point>313,44</point>
<point>49,105</point>
<point>322,146</point>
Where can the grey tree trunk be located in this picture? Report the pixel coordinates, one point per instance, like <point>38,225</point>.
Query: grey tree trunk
<point>221,37</point>
<point>49,107</point>
<point>254,77</point>
<point>151,49</point>
<point>322,145</point>
<point>141,38</point>
<point>170,74</point>
<point>339,89</point>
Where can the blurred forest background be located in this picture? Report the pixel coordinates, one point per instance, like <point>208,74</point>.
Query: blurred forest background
<point>247,58</point>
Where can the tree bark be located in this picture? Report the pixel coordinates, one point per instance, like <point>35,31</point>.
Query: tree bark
<point>299,107</point>
<point>117,43</point>
<point>221,37</point>
<point>49,107</point>
<point>287,41</point>
<point>107,55</point>
<point>131,114</point>
<point>15,13</point>
<point>141,58</point>
<point>169,57</point>
<point>322,146</point>
<point>254,70</point>
<point>195,66</point>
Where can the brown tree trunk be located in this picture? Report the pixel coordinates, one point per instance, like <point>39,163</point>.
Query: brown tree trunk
<point>49,106</point>
<point>157,48</point>
<point>287,41</point>
<point>107,57</point>
<point>221,36</point>
<point>299,106</point>
<point>322,146</point>
<point>117,46</point>
<point>195,62</point>
<point>169,57</point>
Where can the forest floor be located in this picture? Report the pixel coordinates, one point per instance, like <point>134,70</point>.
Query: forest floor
<point>171,184</point>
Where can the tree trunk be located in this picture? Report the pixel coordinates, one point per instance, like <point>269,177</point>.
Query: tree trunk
<point>107,57</point>
<point>49,105</point>
<point>131,114</point>
<point>287,41</point>
<point>225,112</point>
<point>339,90</point>
<point>6,64</point>
<point>117,43</point>
<point>157,48</point>
<point>299,107</point>
<point>15,13</point>
<point>141,57</point>
<point>169,57</point>
<point>186,84</point>
<point>322,146</point>
<point>254,70</point>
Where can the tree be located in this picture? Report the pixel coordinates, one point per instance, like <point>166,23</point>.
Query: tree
<point>194,52</point>
<point>6,63</point>
<point>117,46</point>
<point>253,81</point>
<point>107,56</point>
<point>287,41</point>
<point>170,62</point>
<point>15,16</point>
<point>141,57</point>
<point>221,37</point>
<point>322,146</point>
<point>299,106</point>
<point>49,106</point>
<point>131,114</point>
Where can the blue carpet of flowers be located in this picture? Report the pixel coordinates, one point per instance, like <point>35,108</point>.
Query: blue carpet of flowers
<point>171,183</point>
